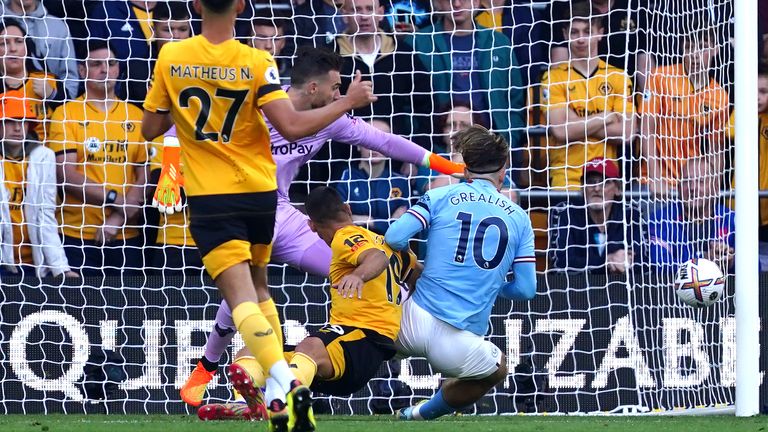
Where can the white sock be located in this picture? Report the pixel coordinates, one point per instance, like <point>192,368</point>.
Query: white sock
<point>274,391</point>
<point>415,412</point>
<point>282,373</point>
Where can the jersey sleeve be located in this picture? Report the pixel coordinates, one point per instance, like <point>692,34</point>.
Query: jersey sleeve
<point>553,93</point>
<point>413,221</point>
<point>267,80</point>
<point>158,99</point>
<point>623,101</point>
<point>58,132</point>
<point>351,245</point>
<point>525,250</point>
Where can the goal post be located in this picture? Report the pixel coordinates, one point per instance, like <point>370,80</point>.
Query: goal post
<point>747,212</point>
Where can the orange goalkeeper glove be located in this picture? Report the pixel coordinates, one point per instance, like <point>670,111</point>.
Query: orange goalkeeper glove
<point>443,165</point>
<point>167,197</point>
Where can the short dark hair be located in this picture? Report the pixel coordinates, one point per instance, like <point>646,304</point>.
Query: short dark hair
<point>171,11</point>
<point>762,70</point>
<point>313,62</point>
<point>95,44</point>
<point>483,151</point>
<point>217,6</point>
<point>582,11</point>
<point>324,204</point>
<point>269,18</point>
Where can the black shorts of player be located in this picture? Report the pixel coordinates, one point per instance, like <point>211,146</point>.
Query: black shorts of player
<point>217,219</point>
<point>358,351</point>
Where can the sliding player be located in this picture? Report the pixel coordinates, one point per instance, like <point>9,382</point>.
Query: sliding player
<point>315,83</point>
<point>475,237</point>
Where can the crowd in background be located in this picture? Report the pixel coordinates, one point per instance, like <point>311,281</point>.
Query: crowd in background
<point>599,99</point>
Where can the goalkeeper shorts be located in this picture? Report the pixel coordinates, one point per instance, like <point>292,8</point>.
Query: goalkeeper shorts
<point>232,228</point>
<point>356,355</point>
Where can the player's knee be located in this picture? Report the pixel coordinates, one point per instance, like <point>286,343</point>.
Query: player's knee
<point>314,348</point>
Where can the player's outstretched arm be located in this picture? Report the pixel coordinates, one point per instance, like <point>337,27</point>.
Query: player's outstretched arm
<point>294,125</point>
<point>395,147</point>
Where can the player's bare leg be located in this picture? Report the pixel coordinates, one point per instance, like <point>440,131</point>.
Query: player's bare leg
<point>454,395</point>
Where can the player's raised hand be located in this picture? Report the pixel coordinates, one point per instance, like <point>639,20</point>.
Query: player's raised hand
<point>360,93</point>
<point>350,285</point>
<point>167,196</point>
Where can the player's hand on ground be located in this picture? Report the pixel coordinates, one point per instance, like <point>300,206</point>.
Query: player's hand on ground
<point>360,93</point>
<point>167,198</point>
<point>349,286</point>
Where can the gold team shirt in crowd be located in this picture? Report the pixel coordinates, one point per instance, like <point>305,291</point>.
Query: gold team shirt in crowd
<point>144,17</point>
<point>15,179</point>
<point>214,98</point>
<point>42,113</point>
<point>109,148</point>
<point>607,89</point>
<point>686,118</point>
<point>173,229</point>
<point>379,308</point>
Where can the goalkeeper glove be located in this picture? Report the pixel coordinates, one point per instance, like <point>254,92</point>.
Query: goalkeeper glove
<point>167,197</point>
<point>443,165</point>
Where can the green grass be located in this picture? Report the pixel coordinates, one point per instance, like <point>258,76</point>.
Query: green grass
<point>177,423</point>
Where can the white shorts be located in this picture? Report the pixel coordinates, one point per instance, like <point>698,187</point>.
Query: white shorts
<point>452,352</point>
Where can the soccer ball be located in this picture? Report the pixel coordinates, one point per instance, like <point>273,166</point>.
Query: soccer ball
<point>699,282</point>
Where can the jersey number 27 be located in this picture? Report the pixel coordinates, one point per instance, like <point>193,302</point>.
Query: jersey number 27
<point>237,97</point>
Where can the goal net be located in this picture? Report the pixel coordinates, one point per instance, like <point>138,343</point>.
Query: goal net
<point>643,84</point>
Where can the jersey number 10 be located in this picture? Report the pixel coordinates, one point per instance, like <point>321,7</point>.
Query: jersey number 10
<point>479,239</point>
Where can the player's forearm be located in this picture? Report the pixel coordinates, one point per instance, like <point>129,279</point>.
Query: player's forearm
<point>575,128</point>
<point>371,265</point>
<point>134,198</point>
<point>78,185</point>
<point>523,288</point>
<point>155,124</point>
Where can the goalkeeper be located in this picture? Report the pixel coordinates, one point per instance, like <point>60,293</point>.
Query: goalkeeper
<point>475,237</point>
<point>340,358</point>
<point>315,83</point>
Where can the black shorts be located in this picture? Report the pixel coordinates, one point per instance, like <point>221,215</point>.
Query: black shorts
<point>232,228</point>
<point>356,355</point>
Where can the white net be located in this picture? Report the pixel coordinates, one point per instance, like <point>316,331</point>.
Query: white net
<point>644,84</point>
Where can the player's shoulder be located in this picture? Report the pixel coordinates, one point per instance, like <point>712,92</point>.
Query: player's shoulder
<point>556,73</point>
<point>611,71</point>
<point>352,237</point>
<point>71,109</point>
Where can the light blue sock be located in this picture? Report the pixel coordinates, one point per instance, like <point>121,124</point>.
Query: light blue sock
<point>433,408</point>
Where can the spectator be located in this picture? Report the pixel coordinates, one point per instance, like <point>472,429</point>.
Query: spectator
<point>588,103</point>
<point>52,42</point>
<point>684,114</point>
<point>29,234</point>
<point>170,21</point>
<point>475,65</point>
<point>317,22</point>
<point>374,192</point>
<point>407,16</point>
<point>127,26</point>
<point>172,250</point>
<point>596,233</point>
<point>19,72</point>
<point>625,24</point>
<point>695,224</point>
<point>525,24</point>
<point>398,75</point>
<point>101,158</point>
<point>268,34</point>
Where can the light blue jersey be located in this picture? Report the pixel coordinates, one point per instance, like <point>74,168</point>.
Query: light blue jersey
<point>475,237</point>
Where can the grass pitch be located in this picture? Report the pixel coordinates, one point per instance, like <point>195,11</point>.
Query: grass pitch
<point>177,423</point>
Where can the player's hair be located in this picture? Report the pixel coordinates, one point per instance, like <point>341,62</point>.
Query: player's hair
<point>217,6</point>
<point>762,70</point>
<point>582,11</point>
<point>312,63</point>
<point>171,11</point>
<point>483,151</point>
<point>698,30</point>
<point>324,204</point>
